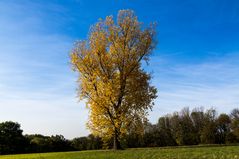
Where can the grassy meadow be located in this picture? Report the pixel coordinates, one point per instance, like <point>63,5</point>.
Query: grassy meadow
<point>194,152</point>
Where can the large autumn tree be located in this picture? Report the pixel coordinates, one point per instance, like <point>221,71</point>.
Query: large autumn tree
<point>111,79</point>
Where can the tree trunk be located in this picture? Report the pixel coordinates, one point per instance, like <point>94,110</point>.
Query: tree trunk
<point>117,145</point>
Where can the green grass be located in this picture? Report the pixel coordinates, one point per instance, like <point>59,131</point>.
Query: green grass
<point>195,152</point>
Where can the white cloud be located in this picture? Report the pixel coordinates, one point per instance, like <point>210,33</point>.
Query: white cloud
<point>37,87</point>
<point>211,83</point>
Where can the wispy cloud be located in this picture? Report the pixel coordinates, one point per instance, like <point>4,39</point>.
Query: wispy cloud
<point>210,83</point>
<point>37,87</point>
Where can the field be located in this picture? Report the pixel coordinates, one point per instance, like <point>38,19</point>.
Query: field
<point>222,152</point>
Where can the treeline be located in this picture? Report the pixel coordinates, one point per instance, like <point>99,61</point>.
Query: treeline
<point>180,128</point>
<point>12,141</point>
<point>189,128</point>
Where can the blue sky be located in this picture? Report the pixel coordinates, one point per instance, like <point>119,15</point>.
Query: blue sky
<point>196,62</point>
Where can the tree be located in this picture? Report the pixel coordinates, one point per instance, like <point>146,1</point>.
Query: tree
<point>151,135</point>
<point>197,116</point>
<point>209,130</point>
<point>223,128</point>
<point>11,138</point>
<point>187,132</point>
<point>166,134</point>
<point>111,79</point>
<point>41,143</point>
<point>235,122</point>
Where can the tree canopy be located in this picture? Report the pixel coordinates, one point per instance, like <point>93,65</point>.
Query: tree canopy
<point>111,78</point>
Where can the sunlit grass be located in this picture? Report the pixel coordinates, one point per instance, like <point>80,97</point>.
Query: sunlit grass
<point>222,152</point>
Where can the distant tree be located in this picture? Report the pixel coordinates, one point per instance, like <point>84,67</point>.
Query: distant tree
<point>133,139</point>
<point>175,128</point>
<point>94,142</point>
<point>117,89</point>
<point>87,143</point>
<point>166,134</point>
<point>151,135</point>
<point>80,143</point>
<point>209,131</point>
<point>11,138</point>
<point>235,123</point>
<point>58,143</point>
<point>197,116</point>
<point>39,143</point>
<point>187,130</point>
<point>223,128</point>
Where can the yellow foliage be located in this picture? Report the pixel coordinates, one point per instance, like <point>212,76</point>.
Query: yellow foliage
<point>117,89</point>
